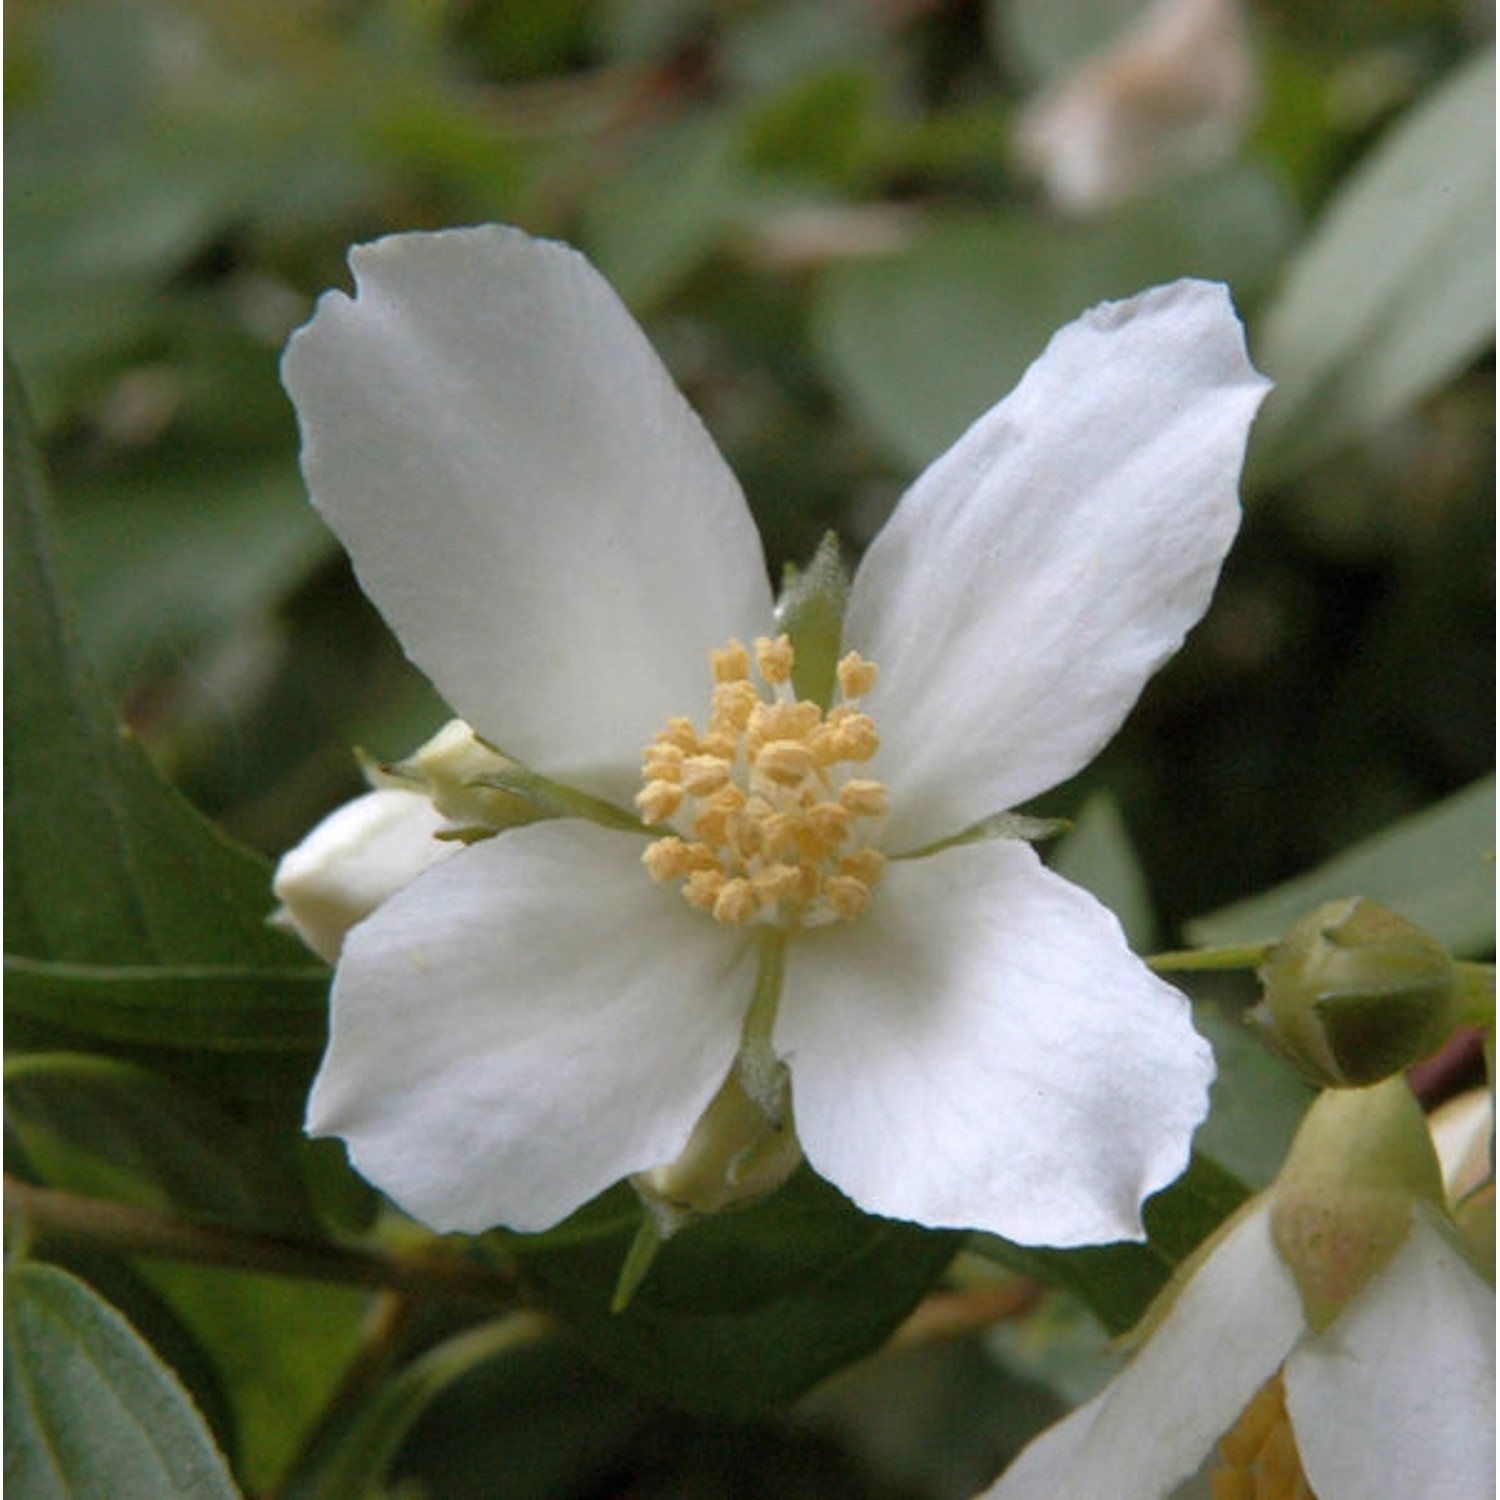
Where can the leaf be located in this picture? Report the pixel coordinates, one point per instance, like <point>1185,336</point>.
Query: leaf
<point>352,1465</point>
<point>1394,290</point>
<point>219,1008</point>
<point>1258,1100</point>
<point>89,1409</point>
<point>745,1311</point>
<point>281,1347</point>
<point>923,342</point>
<point>111,870</point>
<point>1097,854</point>
<point>657,218</point>
<point>196,571</point>
<point>1437,868</point>
<point>101,1126</point>
<point>1117,1283</point>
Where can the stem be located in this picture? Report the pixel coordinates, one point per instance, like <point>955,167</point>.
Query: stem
<point>1478,981</point>
<point>1244,956</point>
<point>761,1072</point>
<point>51,1216</point>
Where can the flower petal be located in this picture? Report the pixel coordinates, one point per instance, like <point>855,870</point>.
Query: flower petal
<point>1225,1334</point>
<point>358,856</point>
<point>981,1050</point>
<point>524,1025</point>
<point>525,495</point>
<point>1398,1396</point>
<point>1039,572</point>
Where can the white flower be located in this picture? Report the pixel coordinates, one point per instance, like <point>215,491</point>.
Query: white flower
<point>1394,1397</point>
<point>557,543</point>
<point>1174,95</point>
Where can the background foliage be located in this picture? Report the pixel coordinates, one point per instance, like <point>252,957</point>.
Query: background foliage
<point>815,210</point>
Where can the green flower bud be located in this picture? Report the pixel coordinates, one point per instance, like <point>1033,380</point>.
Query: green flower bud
<point>1355,993</point>
<point>738,1153</point>
<point>455,768</point>
<point>1342,1204</point>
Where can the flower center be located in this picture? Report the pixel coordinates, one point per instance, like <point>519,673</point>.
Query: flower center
<point>1260,1458</point>
<point>769,823</point>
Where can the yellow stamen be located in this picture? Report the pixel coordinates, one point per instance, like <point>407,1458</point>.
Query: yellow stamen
<point>769,824</point>
<point>731,663</point>
<point>856,675</point>
<point>774,659</point>
<point>1260,1458</point>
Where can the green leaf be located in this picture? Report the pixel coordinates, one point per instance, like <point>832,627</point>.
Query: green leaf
<point>1437,868</point>
<point>744,1311</point>
<point>351,1463</point>
<point>923,342</point>
<point>89,1409</point>
<point>1119,1282</point>
<point>112,876</point>
<point>281,1347</point>
<point>1258,1100</point>
<point>658,217</point>
<point>1394,291</point>
<point>101,1126</point>
<point>1097,854</point>
<point>217,1008</point>
<point>196,571</point>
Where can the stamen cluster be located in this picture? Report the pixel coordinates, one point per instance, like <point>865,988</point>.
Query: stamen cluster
<point>1260,1458</point>
<point>770,826</point>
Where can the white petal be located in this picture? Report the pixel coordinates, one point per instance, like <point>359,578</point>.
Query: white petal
<point>982,1050</point>
<point>1223,1337</point>
<point>526,496</point>
<point>523,1026</point>
<point>1039,572</point>
<point>1463,1133</point>
<point>358,856</point>
<point>1398,1396</point>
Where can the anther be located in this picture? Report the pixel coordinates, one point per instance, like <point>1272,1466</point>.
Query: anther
<point>786,762</point>
<point>848,897</point>
<point>703,775</point>
<point>856,675</point>
<point>657,801</point>
<point>774,659</point>
<point>863,799</point>
<point>731,663</point>
<point>764,814</point>
<point>735,902</point>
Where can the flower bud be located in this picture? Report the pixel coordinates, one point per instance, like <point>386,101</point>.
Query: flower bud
<point>1342,1204</point>
<point>738,1153</point>
<point>453,767</point>
<point>1354,993</point>
<point>358,856</point>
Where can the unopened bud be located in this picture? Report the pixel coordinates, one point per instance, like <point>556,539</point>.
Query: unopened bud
<point>739,1152</point>
<point>1342,1205</point>
<point>1355,993</point>
<point>454,767</point>
<point>360,855</point>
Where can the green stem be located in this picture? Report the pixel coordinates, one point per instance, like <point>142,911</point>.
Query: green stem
<point>49,1216</point>
<point>1244,956</point>
<point>761,1072</point>
<point>1478,981</point>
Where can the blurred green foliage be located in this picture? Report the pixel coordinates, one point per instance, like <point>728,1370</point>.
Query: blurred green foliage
<point>815,210</point>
